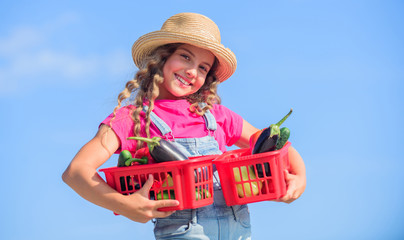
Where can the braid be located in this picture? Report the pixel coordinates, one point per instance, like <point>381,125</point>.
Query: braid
<point>145,87</point>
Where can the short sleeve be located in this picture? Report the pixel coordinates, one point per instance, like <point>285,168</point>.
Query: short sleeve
<point>122,124</point>
<point>230,122</point>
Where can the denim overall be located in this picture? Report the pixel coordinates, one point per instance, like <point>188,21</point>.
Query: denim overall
<point>216,221</point>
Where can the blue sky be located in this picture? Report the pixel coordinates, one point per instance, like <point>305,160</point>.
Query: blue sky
<point>339,64</point>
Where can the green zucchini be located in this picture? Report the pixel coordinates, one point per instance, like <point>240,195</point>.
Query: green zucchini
<point>283,137</point>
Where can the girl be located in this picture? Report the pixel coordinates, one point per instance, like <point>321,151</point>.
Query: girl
<point>180,67</point>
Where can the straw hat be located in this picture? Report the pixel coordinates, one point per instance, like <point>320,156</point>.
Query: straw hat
<point>190,28</point>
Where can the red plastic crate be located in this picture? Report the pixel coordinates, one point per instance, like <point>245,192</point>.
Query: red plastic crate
<point>253,186</point>
<point>191,185</point>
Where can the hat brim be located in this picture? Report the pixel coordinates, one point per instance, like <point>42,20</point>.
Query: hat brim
<point>227,62</point>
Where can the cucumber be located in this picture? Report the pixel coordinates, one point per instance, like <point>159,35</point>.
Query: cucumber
<point>283,138</point>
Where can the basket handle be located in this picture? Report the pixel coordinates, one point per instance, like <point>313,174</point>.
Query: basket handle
<point>231,154</point>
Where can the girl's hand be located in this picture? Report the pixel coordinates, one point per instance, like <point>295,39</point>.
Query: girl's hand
<point>139,208</point>
<point>295,187</point>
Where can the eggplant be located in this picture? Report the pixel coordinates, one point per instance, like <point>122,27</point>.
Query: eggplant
<point>268,138</point>
<point>267,141</point>
<point>162,150</point>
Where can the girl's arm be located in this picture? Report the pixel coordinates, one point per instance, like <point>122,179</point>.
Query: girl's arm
<point>248,130</point>
<point>81,175</point>
<point>295,178</point>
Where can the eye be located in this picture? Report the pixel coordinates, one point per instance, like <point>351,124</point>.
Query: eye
<point>185,56</point>
<point>203,68</point>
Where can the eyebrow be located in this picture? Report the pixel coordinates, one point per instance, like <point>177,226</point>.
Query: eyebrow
<point>193,55</point>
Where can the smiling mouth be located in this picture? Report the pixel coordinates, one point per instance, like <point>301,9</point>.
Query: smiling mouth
<point>183,81</point>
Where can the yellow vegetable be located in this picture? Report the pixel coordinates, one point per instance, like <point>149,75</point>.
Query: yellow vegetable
<point>169,181</point>
<point>250,189</point>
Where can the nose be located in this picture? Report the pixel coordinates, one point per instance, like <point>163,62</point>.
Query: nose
<point>191,72</point>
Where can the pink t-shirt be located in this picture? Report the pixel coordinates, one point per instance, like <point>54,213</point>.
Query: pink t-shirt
<point>183,123</point>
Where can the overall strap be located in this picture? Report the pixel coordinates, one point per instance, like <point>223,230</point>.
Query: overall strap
<point>160,124</point>
<point>210,120</point>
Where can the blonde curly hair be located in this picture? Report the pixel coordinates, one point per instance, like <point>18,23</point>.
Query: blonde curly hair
<point>145,87</point>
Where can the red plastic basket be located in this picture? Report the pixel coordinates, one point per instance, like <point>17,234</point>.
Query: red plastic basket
<point>190,182</point>
<point>247,178</point>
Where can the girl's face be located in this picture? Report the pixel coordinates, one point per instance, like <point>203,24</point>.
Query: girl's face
<point>185,71</point>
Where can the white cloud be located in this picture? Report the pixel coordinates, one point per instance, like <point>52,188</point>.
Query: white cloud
<point>19,40</point>
<point>27,59</point>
